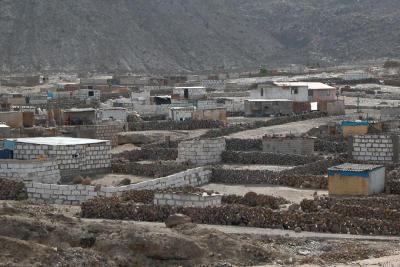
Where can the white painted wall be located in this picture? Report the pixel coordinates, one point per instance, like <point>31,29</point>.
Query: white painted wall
<point>276,92</point>
<point>377,181</point>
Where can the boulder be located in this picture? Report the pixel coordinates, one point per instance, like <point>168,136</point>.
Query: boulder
<point>177,219</point>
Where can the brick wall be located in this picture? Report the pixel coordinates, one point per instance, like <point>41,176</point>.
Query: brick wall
<point>75,194</point>
<point>375,148</point>
<point>201,152</point>
<point>39,170</point>
<point>181,199</point>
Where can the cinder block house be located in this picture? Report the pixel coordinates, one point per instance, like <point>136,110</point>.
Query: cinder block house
<point>356,179</point>
<point>75,156</point>
<point>194,92</point>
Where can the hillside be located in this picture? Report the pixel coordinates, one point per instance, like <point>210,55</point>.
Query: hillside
<point>192,35</point>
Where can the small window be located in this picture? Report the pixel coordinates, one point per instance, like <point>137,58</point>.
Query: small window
<point>91,93</point>
<point>261,92</point>
<point>294,90</point>
<point>310,93</point>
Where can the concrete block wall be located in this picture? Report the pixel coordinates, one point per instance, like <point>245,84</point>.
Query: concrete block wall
<point>201,152</point>
<point>288,145</point>
<point>102,132</point>
<point>180,199</point>
<point>76,194</point>
<point>71,159</point>
<point>151,110</point>
<point>39,170</point>
<point>213,84</point>
<point>375,148</point>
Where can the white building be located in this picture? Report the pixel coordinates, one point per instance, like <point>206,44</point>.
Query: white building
<point>281,90</point>
<point>115,113</point>
<point>181,113</point>
<point>356,75</point>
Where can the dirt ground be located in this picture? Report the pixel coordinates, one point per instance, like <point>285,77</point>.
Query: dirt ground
<point>52,235</point>
<point>296,128</point>
<point>294,195</point>
<point>113,179</point>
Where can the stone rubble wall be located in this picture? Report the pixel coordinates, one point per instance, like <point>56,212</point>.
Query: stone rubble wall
<point>148,169</point>
<point>258,124</point>
<point>38,170</point>
<point>236,144</point>
<point>201,152</point>
<point>75,194</point>
<point>258,157</point>
<point>149,153</point>
<point>175,125</point>
<point>375,148</point>
<point>187,200</point>
<point>288,145</point>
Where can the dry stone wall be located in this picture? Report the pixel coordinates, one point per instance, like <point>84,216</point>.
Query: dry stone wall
<point>75,194</point>
<point>201,152</point>
<point>38,170</point>
<point>175,125</point>
<point>235,144</point>
<point>258,157</point>
<point>376,148</point>
<point>258,124</point>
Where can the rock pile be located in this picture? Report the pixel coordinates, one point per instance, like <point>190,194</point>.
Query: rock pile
<point>10,190</point>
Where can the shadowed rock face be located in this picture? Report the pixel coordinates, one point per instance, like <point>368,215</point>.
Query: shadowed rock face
<point>187,35</point>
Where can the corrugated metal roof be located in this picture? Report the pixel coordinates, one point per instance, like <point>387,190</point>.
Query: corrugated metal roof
<point>355,167</point>
<point>310,85</point>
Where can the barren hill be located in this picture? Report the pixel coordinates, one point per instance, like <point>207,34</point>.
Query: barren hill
<point>192,35</point>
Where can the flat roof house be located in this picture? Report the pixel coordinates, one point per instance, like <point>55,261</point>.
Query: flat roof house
<point>75,156</point>
<point>356,179</point>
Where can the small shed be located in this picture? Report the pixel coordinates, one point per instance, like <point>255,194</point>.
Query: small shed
<point>181,113</point>
<point>356,179</point>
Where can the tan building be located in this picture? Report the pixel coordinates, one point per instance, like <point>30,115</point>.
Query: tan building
<point>356,179</point>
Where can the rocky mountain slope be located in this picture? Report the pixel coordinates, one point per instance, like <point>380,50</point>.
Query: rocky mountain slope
<point>192,35</point>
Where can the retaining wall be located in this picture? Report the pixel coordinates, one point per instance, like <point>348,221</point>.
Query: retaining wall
<point>39,170</point>
<point>288,145</point>
<point>75,194</point>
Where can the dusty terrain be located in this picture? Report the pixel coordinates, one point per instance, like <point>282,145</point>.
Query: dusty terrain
<point>52,235</point>
<point>292,194</point>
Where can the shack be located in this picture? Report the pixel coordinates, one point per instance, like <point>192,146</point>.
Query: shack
<point>194,92</point>
<point>79,116</point>
<point>356,179</point>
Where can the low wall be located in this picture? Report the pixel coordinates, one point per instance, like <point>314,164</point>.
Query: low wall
<point>243,144</point>
<point>258,124</point>
<point>149,169</point>
<point>75,194</point>
<point>174,125</point>
<point>38,170</point>
<point>180,199</point>
<point>258,157</point>
<point>288,145</point>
